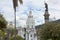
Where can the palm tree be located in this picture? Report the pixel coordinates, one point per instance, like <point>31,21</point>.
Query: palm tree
<point>15,4</point>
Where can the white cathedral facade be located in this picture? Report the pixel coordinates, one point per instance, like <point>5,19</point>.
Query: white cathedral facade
<point>28,33</point>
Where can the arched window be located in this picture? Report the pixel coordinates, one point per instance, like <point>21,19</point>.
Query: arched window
<point>31,35</point>
<point>32,26</point>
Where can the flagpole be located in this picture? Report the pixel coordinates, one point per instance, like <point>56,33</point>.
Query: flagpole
<point>15,23</point>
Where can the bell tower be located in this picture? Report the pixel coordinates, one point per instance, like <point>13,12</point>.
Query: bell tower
<point>46,15</point>
<point>30,21</point>
<point>30,30</point>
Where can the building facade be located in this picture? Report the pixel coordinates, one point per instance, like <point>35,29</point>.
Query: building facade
<point>30,30</point>
<point>28,33</point>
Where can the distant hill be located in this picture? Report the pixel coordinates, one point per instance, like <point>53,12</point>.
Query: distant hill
<point>39,26</point>
<point>57,21</point>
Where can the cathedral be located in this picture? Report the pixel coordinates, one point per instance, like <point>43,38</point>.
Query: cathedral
<point>28,33</point>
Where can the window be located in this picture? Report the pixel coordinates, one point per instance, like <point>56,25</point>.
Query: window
<point>31,35</point>
<point>32,26</point>
<point>24,35</point>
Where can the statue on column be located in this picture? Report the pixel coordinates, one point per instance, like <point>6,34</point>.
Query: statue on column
<point>46,6</point>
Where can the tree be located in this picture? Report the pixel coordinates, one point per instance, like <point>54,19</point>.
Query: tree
<point>12,31</point>
<point>3,22</point>
<point>50,31</point>
<point>10,34</point>
<point>17,38</point>
<point>4,35</point>
<point>15,4</point>
<point>1,35</point>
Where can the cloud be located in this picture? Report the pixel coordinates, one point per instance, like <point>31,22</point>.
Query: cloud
<point>36,6</point>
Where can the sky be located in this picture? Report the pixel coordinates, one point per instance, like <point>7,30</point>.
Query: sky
<point>36,6</point>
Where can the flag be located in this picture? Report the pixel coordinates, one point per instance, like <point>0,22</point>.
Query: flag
<point>15,4</point>
<point>21,2</point>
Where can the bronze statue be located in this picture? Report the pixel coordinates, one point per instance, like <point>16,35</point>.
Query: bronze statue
<point>46,6</point>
